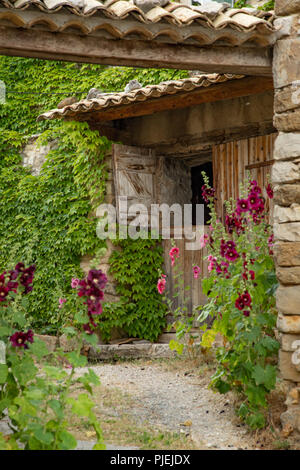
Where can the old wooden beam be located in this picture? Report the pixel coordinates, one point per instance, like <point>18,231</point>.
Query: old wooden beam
<point>131,52</point>
<point>221,91</point>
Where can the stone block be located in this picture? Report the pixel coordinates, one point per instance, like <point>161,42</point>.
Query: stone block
<point>50,341</point>
<point>285,172</point>
<point>288,323</point>
<point>290,419</point>
<point>287,7</point>
<point>287,254</point>
<point>288,121</point>
<point>287,194</point>
<point>286,64</point>
<point>286,214</point>
<point>289,232</point>
<point>289,275</point>
<point>287,146</point>
<point>287,369</point>
<point>288,300</point>
<point>287,342</point>
<point>286,98</point>
<point>68,344</point>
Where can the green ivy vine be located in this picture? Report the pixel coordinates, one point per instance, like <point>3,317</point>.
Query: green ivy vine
<point>48,219</point>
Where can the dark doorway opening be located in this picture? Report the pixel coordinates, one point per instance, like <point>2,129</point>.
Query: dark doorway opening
<point>197,183</point>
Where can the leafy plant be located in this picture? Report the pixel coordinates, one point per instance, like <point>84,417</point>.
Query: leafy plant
<point>240,291</point>
<point>139,312</point>
<point>49,219</point>
<point>34,386</point>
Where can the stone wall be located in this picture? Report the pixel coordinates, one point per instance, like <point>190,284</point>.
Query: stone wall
<point>286,181</point>
<point>34,156</point>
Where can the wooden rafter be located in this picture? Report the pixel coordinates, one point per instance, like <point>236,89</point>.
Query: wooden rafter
<point>131,52</point>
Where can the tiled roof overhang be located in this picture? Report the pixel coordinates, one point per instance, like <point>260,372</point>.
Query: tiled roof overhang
<point>154,98</point>
<point>121,19</point>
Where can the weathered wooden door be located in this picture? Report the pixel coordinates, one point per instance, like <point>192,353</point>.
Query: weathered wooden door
<point>143,178</point>
<point>134,176</point>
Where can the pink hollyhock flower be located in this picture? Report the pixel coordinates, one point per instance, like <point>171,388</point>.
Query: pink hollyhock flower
<point>270,191</point>
<point>212,262</point>
<point>161,284</point>
<point>61,302</point>
<point>196,271</point>
<point>74,282</point>
<point>174,253</point>
<point>204,240</point>
<point>271,241</point>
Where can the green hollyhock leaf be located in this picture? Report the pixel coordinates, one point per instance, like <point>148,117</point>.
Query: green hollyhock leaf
<point>43,436</point>
<point>265,376</point>
<point>67,441</point>
<point>25,370</point>
<point>77,360</point>
<point>3,373</point>
<point>39,348</point>
<point>82,406</point>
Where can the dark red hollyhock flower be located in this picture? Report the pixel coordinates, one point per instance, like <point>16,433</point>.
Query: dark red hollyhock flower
<point>256,189</point>
<point>246,313</point>
<point>12,286</point>
<point>254,201</point>
<point>244,275</point>
<point>13,275</point>
<point>223,247</point>
<point>270,191</point>
<point>83,291</point>
<point>242,205</point>
<point>233,224</point>
<point>19,339</point>
<point>4,291</point>
<point>2,279</point>
<point>252,275</point>
<point>19,268</point>
<point>231,255</point>
<point>246,298</point>
<point>231,245</point>
<point>94,307</point>
<point>87,328</point>
<point>26,278</point>
<point>239,303</point>
<point>97,277</point>
<point>207,192</point>
<point>91,320</point>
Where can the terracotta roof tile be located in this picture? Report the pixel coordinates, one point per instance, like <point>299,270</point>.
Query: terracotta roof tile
<point>109,100</point>
<point>121,17</point>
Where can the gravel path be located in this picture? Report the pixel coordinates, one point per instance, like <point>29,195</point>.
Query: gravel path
<point>168,399</point>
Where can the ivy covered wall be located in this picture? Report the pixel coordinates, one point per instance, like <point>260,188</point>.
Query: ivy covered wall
<point>46,219</point>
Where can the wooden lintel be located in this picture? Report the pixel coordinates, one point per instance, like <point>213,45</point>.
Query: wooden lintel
<point>220,91</point>
<point>131,52</point>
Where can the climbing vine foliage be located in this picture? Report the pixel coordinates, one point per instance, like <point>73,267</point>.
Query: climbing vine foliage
<point>49,219</point>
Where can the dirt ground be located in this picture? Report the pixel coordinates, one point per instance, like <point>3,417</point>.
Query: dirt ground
<point>166,404</point>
